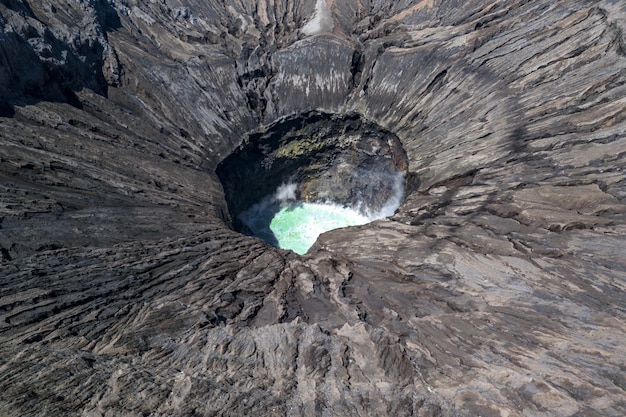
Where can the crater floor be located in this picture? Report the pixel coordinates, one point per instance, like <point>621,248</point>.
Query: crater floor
<point>496,289</point>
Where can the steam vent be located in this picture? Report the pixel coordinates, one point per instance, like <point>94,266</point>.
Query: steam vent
<point>312,208</point>
<point>310,171</point>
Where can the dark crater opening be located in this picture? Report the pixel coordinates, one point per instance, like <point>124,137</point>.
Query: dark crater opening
<point>313,158</point>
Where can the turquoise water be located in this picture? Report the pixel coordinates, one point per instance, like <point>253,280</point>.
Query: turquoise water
<point>283,221</point>
<point>298,227</point>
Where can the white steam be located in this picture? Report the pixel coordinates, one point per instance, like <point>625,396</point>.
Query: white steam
<point>286,192</point>
<point>322,20</point>
<point>391,205</point>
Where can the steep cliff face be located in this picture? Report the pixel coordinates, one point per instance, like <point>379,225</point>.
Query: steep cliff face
<point>497,288</point>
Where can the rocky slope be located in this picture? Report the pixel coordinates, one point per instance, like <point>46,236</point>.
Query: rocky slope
<point>497,289</point>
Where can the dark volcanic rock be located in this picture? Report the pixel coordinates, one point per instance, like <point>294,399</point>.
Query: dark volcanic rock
<point>496,289</point>
<point>342,160</point>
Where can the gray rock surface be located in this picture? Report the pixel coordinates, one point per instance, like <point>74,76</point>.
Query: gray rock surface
<point>497,289</point>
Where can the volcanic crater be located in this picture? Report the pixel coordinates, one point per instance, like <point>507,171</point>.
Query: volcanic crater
<point>339,161</point>
<point>134,134</point>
